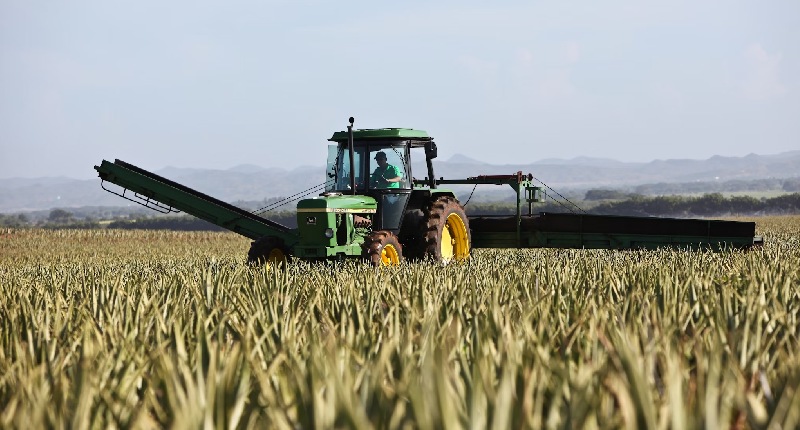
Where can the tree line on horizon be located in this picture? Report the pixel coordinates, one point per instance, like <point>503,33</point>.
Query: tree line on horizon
<point>713,204</point>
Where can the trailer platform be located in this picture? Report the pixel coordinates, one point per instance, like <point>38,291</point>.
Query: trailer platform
<point>570,230</point>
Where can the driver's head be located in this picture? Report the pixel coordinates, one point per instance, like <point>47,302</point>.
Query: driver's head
<point>380,157</point>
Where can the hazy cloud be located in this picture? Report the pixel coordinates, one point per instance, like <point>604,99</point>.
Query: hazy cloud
<point>762,73</point>
<point>548,74</point>
<point>524,58</point>
<point>571,52</point>
<point>556,84</point>
<point>479,67</point>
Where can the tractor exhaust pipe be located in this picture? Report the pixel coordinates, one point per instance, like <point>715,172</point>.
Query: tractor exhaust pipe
<point>352,157</point>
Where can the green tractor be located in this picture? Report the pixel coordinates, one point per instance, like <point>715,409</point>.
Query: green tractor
<point>373,208</point>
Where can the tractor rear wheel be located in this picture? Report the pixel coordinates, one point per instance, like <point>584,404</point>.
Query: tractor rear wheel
<point>446,232</point>
<point>268,250</point>
<point>383,249</point>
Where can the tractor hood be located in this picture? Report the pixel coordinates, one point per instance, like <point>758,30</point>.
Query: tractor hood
<point>339,204</point>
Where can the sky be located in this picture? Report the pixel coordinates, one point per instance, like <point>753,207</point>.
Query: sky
<point>218,84</point>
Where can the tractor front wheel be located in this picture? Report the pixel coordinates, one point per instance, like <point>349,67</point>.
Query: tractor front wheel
<point>383,249</point>
<point>268,250</point>
<point>446,233</point>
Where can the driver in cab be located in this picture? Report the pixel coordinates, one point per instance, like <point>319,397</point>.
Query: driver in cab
<point>385,175</point>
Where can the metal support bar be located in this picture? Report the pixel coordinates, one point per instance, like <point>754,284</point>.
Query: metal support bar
<point>517,181</point>
<point>519,217</point>
<point>534,195</point>
<point>142,200</point>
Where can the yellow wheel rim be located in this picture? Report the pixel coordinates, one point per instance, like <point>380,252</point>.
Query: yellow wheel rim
<point>455,239</point>
<point>389,256</point>
<point>276,257</point>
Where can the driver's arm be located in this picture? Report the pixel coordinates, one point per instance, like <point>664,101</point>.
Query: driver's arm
<point>395,173</point>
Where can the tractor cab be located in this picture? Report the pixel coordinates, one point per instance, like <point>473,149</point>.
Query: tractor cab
<point>379,163</point>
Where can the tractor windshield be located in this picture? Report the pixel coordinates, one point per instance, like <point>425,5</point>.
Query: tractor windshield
<point>388,167</point>
<point>338,172</point>
<point>376,167</point>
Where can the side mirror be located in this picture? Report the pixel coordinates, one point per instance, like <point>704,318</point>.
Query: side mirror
<point>430,150</point>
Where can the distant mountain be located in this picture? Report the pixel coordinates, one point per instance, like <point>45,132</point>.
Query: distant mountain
<point>584,172</point>
<point>246,168</point>
<point>174,172</point>
<point>582,161</point>
<point>463,159</point>
<point>789,154</point>
<point>44,193</point>
<point>13,183</point>
<point>249,182</point>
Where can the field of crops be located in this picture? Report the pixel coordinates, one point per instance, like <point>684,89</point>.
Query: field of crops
<point>147,329</point>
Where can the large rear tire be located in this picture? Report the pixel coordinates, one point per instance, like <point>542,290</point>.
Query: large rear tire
<point>268,250</point>
<point>383,249</point>
<point>446,232</point>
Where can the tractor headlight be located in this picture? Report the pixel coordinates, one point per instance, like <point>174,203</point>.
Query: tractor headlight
<point>329,233</point>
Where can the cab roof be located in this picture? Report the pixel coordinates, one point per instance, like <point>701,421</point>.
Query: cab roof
<point>382,133</point>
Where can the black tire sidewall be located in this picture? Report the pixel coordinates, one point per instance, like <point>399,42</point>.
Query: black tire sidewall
<point>438,211</point>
